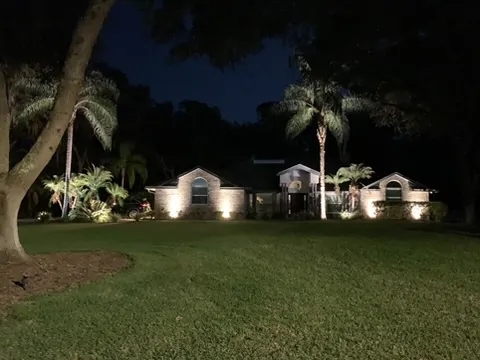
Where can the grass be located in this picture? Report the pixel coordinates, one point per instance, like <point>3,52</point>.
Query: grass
<point>257,290</point>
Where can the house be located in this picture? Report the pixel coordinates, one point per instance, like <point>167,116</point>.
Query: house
<point>269,186</point>
<point>198,190</point>
<point>393,187</point>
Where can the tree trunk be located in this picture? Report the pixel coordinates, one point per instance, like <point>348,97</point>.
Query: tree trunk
<point>68,168</point>
<point>24,173</point>
<point>123,178</point>
<point>11,250</point>
<point>322,137</point>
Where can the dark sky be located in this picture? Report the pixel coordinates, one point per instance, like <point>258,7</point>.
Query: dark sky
<point>126,45</point>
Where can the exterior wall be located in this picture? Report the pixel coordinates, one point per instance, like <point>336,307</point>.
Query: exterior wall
<point>178,199</point>
<point>306,178</point>
<point>368,196</point>
<point>166,200</point>
<point>231,200</point>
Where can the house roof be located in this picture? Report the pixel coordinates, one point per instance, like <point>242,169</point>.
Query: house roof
<point>174,181</point>
<point>413,184</point>
<point>299,167</point>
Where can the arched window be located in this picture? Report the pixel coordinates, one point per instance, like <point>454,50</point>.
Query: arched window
<point>199,191</point>
<point>393,191</point>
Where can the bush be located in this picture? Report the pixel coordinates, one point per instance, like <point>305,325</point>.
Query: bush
<point>438,211</point>
<point>349,215</point>
<point>44,216</point>
<point>400,210</point>
<point>91,211</point>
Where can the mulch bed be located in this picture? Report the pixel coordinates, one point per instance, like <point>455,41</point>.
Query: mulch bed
<point>54,272</point>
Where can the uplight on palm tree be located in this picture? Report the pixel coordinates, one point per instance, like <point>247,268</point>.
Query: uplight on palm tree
<point>116,194</point>
<point>93,180</point>
<point>336,180</point>
<point>96,102</point>
<point>323,104</point>
<point>354,173</point>
<point>56,185</point>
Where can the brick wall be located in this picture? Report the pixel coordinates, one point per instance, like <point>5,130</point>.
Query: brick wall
<point>219,199</point>
<point>367,196</point>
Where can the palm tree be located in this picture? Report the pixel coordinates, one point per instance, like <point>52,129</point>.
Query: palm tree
<point>336,179</point>
<point>56,185</point>
<point>354,173</point>
<point>116,194</point>
<point>93,180</point>
<point>323,104</point>
<point>96,102</point>
<point>127,165</point>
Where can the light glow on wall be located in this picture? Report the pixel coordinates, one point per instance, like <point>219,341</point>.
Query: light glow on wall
<point>417,212</point>
<point>174,206</point>
<point>371,210</point>
<point>226,210</point>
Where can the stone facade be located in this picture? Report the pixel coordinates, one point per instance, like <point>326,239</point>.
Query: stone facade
<point>177,200</point>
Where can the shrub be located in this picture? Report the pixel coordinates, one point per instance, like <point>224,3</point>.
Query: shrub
<point>399,210</point>
<point>44,216</point>
<point>438,211</point>
<point>92,211</point>
<point>349,215</point>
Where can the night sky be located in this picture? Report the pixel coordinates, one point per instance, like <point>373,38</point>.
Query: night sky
<point>126,45</point>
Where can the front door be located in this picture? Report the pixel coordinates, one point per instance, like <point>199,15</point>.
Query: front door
<point>298,203</point>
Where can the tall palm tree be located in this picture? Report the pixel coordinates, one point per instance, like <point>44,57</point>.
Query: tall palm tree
<point>354,173</point>
<point>127,165</point>
<point>323,104</point>
<point>96,102</point>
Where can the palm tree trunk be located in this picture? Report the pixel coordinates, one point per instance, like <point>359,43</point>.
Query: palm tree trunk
<point>123,178</point>
<point>68,168</point>
<point>322,137</point>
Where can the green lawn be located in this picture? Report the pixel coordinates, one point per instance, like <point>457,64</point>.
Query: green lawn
<point>257,290</point>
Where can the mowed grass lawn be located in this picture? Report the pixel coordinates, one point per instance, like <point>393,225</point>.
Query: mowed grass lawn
<point>257,290</point>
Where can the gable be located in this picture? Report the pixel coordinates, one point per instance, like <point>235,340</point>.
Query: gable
<point>396,176</point>
<point>195,172</point>
<point>299,167</point>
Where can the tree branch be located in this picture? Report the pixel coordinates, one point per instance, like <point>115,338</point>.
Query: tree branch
<point>83,40</point>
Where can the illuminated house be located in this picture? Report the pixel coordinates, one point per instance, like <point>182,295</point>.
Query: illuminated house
<point>198,190</point>
<point>272,187</point>
<point>394,187</point>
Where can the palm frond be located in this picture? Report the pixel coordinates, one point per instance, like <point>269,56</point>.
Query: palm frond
<point>102,116</point>
<point>339,126</point>
<point>356,172</point>
<point>98,85</point>
<point>300,92</point>
<point>32,108</point>
<point>353,104</point>
<point>141,169</point>
<point>299,121</point>
<point>335,179</point>
<point>291,106</point>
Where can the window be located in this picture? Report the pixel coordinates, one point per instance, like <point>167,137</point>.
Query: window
<point>199,191</point>
<point>393,191</point>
